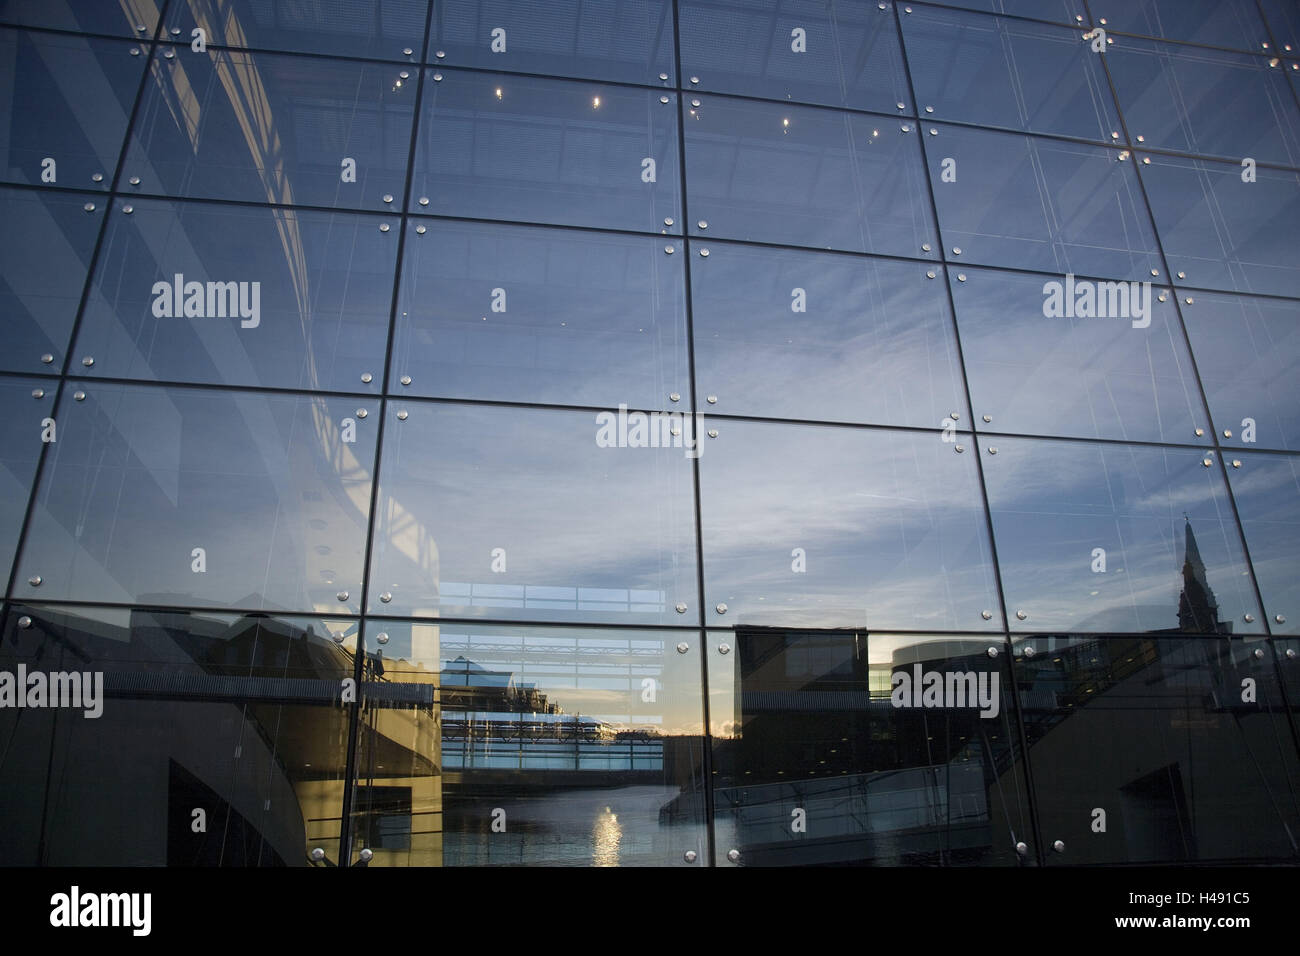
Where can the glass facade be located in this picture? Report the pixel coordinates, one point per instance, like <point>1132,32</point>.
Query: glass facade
<point>700,433</point>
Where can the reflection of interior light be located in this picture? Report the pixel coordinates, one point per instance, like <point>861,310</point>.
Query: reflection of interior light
<point>498,92</point>
<point>595,103</point>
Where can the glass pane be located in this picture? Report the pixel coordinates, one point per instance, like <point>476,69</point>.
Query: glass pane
<point>1061,11</point>
<point>64,105</point>
<point>825,526</point>
<point>375,28</point>
<point>1036,366</point>
<point>1220,232</point>
<point>90,16</point>
<point>496,146</point>
<point>1230,23</point>
<point>623,40</point>
<point>1044,204</point>
<point>241,295</point>
<point>1248,353</point>
<point>45,251</point>
<point>1283,19</point>
<point>25,404</point>
<point>808,177</point>
<point>192,497</point>
<point>181,739</point>
<point>541,315</point>
<point>827,337</point>
<point>1208,771</point>
<point>535,514</point>
<point>1267,491</point>
<point>490,745</point>
<point>1287,652</point>
<point>829,749</point>
<point>1010,73</point>
<point>1104,537</point>
<point>812,52</point>
<point>1207,102</point>
<point>274,129</point>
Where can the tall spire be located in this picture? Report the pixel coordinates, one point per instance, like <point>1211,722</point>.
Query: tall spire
<point>1198,610</point>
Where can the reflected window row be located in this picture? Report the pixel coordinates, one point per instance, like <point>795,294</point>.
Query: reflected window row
<point>495,744</point>
<point>196,497</point>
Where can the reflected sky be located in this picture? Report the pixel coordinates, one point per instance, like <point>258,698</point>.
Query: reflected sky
<point>1081,377</point>
<point>791,334</point>
<point>1267,491</point>
<point>1054,502</point>
<point>889,525</point>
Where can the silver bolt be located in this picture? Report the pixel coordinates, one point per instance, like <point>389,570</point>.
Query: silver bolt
<point>956,251</point>
<point>388,197</point>
<point>318,854</point>
<point>407,51</point>
<point>423,200</point>
<point>929,109</point>
<point>713,433</point>
<point>128,209</point>
<point>695,79</point>
<point>382,637</point>
<point>929,275</point>
<point>1022,849</point>
<point>404,75</point>
<point>135,51</point>
<point>1236,463</point>
<point>933,131</point>
<point>669,221</point>
<point>1279,619</point>
<point>663,99</point>
<point>367,377</point>
<point>1200,432</point>
<point>383,227</point>
<point>663,76</point>
<point>724,648</point>
<point>681,608</point>
<point>35,580</point>
<point>960,448</point>
<point>405,380</point>
<point>342,595</point>
<point>925,247</point>
<point>134,180</point>
<point>1029,650</point>
<point>899,105</point>
<point>993,450</point>
<point>1021,615</point>
<point>420,230</point>
<point>992,651</point>
<point>1059,846</point>
<point>169,55</point>
<point>721,609</point>
<point>1290,652</point>
<point>703,224</point>
<point>668,249</point>
<point>38,393</point>
<point>97,178</point>
<point>89,207</point>
<point>1206,462</point>
<point>1182,275</point>
<point>386,597</point>
<point>1250,619</point>
<point>906,128</point>
<point>338,638</point>
<point>712,399</point>
<point>683,647</point>
<point>961,277</point>
<point>987,418</point>
<point>987,615</point>
<point>437,77</point>
<point>176,31</point>
<point>402,415</point>
<point>689,856</point>
<point>674,397</point>
<point>1227,433</point>
<point>733,855</point>
<point>88,361</point>
<point>47,358</point>
<point>362,413</point>
<point>24,622</point>
<point>79,396</point>
<point>366,855</point>
<point>1259,653</point>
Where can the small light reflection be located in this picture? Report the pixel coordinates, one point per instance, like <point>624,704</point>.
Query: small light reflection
<point>595,103</point>
<point>785,125</point>
<point>498,92</point>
